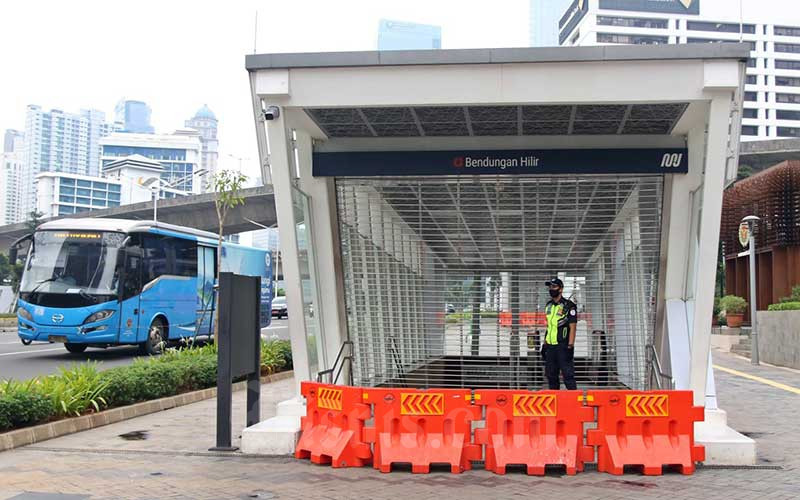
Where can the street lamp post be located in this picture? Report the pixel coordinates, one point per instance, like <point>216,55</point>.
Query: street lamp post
<point>156,184</point>
<point>751,220</point>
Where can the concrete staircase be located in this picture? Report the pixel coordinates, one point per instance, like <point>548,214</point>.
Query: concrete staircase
<point>743,346</point>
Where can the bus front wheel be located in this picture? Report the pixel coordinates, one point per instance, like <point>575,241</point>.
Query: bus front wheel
<point>156,338</point>
<point>75,348</point>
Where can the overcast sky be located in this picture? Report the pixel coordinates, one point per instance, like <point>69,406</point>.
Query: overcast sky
<point>178,55</point>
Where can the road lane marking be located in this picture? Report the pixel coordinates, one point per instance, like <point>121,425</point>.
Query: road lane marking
<point>29,352</point>
<point>759,379</point>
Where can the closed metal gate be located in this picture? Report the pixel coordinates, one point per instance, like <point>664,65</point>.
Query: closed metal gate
<point>444,276</point>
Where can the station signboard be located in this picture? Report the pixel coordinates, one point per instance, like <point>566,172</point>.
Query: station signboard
<point>502,162</point>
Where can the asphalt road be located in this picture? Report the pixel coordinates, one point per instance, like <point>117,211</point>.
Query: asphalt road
<point>22,362</point>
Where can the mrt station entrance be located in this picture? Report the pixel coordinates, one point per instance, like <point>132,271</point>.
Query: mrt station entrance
<point>424,198</point>
<point>444,276</point>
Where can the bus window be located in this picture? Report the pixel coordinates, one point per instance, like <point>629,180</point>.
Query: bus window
<point>155,258</point>
<point>185,257</point>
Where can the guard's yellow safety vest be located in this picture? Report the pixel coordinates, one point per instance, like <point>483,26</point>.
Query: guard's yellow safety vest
<point>556,315</point>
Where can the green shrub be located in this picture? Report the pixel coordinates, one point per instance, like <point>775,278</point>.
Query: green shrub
<point>784,306</point>
<point>284,347</point>
<point>81,388</point>
<point>733,304</point>
<point>794,297</point>
<point>74,390</point>
<point>273,356</point>
<point>19,409</point>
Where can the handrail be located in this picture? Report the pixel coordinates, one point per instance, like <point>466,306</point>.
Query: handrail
<point>329,371</point>
<point>656,367</point>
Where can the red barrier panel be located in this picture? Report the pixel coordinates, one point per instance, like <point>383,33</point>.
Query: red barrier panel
<point>647,429</point>
<point>534,429</point>
<point>422,428</point>
<point>332,430</point>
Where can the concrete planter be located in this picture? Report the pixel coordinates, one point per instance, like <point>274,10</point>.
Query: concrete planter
<point>779,338</point>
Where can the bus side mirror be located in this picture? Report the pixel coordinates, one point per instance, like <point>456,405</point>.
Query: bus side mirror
<point>13,250</point>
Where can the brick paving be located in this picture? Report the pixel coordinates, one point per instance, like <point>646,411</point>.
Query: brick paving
<point>172,462</point>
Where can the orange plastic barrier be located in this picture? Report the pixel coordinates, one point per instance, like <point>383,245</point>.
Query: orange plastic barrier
<point>647,429</point>
<point>422,427</point>
<point>534,429</point>
<point>332,430</point>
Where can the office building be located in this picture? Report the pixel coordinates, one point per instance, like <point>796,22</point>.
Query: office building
<point>56,141</point>
<point>11,168</point>
<point>400,35</point>
<point>544,17</point>
<point>125,181</point>
<point>178,153</point>
<point>13,141</point>
<point>132,116</point>
<point>205,122</point>
<point>772,81</point>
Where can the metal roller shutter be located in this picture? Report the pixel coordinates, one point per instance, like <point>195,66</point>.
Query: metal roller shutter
<point>444,276</point>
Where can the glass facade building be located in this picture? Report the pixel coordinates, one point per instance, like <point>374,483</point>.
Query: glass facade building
<point>400,35</point>
<point>83,195</point>
<point>178,154</point>
<point>132,116</point>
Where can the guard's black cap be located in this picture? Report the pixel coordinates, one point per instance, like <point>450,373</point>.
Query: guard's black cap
<point>554,281</point>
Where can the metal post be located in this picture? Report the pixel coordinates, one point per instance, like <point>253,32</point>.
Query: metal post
<point>155,206</point>
<point>753,302</point>
<point>224,372</point>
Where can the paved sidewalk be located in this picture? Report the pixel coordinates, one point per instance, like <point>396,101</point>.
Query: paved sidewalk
<point>172,461</point>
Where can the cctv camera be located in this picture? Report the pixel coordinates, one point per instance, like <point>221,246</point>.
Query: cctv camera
<point>271,112</point>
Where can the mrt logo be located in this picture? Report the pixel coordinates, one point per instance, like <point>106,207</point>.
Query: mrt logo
<point>458,162</point>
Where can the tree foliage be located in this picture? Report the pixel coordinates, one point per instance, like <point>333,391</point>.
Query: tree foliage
<point>227,186</point>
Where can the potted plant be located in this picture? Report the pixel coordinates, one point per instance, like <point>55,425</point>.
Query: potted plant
<point>734,307</point>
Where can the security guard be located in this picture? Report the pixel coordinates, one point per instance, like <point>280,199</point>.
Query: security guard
<point>559,342</point>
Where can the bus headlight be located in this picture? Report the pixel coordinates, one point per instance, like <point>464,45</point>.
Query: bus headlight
<point>99,316</point>
<point>24,314</point>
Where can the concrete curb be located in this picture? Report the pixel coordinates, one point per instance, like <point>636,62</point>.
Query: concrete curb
<point>43,432</point>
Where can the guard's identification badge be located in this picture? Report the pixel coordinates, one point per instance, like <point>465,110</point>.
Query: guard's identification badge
<point>572,312</point>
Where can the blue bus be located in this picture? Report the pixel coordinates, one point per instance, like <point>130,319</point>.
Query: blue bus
<point>106,282</point>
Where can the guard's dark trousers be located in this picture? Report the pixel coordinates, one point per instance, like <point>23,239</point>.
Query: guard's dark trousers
<point>559,358</point>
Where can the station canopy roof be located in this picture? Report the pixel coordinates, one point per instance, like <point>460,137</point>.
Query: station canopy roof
<point>421,121</point>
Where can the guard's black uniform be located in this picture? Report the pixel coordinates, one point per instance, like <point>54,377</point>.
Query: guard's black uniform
<point>558,355</point>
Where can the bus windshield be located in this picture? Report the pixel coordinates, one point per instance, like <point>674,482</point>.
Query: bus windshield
<point>78,264</point>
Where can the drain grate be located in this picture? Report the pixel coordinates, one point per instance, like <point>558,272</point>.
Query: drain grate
<point>739,467</point>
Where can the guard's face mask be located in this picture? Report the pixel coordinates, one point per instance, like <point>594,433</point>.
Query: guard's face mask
<point>554,292</point>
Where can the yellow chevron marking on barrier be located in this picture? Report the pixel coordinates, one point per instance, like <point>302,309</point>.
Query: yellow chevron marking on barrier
<point>330,399</point>
<point>534,405</point>
<point>647,405</point>
<point>415,403</point>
